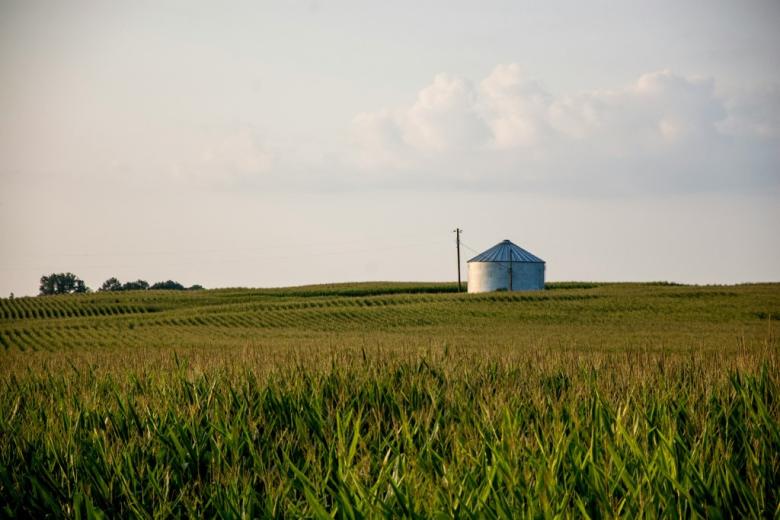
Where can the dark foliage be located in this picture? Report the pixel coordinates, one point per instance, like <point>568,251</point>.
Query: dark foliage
<point>112,284</point>
<point>138,285</point>
<point>169,285</point>
<point>62,283</point>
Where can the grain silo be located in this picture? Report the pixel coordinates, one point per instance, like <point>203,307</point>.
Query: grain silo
<point>506,267</point>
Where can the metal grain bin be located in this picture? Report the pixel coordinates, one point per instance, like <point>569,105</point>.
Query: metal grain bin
<point>506,267</point>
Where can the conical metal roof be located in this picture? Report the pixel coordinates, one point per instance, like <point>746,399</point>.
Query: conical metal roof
<point>506,251</point>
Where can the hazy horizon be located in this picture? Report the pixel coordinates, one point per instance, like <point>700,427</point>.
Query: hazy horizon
<point>307,142</point>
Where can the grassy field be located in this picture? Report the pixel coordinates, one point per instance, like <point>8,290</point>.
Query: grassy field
<point>392,400</point>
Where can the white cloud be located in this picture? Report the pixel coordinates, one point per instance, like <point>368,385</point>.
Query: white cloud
<point>514,108</point>
<point>443,119</point>
<point>656,112</point>
<point>233,158</point>
<point>663,131</point>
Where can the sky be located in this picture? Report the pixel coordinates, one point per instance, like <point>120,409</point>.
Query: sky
<point>262,144</point>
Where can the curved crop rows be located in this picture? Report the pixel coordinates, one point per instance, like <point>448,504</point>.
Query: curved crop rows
<point>60,308</point>
<point>139,318</point>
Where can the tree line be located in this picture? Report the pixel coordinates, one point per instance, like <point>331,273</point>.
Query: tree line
<point>69,283</point>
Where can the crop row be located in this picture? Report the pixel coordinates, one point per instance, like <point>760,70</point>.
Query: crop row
<point>382,313</point>
<point>78,307</point>
<point>44,337</point>
<point>382,301</point>
<point>324,318</point>
<point>58,308</point>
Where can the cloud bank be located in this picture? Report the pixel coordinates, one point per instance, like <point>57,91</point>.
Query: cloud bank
<point>663,132</point>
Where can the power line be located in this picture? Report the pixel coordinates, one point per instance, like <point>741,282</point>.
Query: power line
<point>468,247</point>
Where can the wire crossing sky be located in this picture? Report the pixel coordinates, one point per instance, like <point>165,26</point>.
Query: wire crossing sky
<point>278,143</point>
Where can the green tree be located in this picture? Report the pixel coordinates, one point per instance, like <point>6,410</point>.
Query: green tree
<point>138,285</point>
<point>62,283</point>
<point>169,285</point>
<point>112,284</point>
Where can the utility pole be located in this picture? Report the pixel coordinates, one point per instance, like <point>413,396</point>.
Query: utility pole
<point>457,232</point>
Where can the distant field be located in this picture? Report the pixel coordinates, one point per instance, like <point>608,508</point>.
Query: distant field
<point>392,399</point>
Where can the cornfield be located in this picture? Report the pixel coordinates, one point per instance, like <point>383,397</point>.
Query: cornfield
<point>392,400</point>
